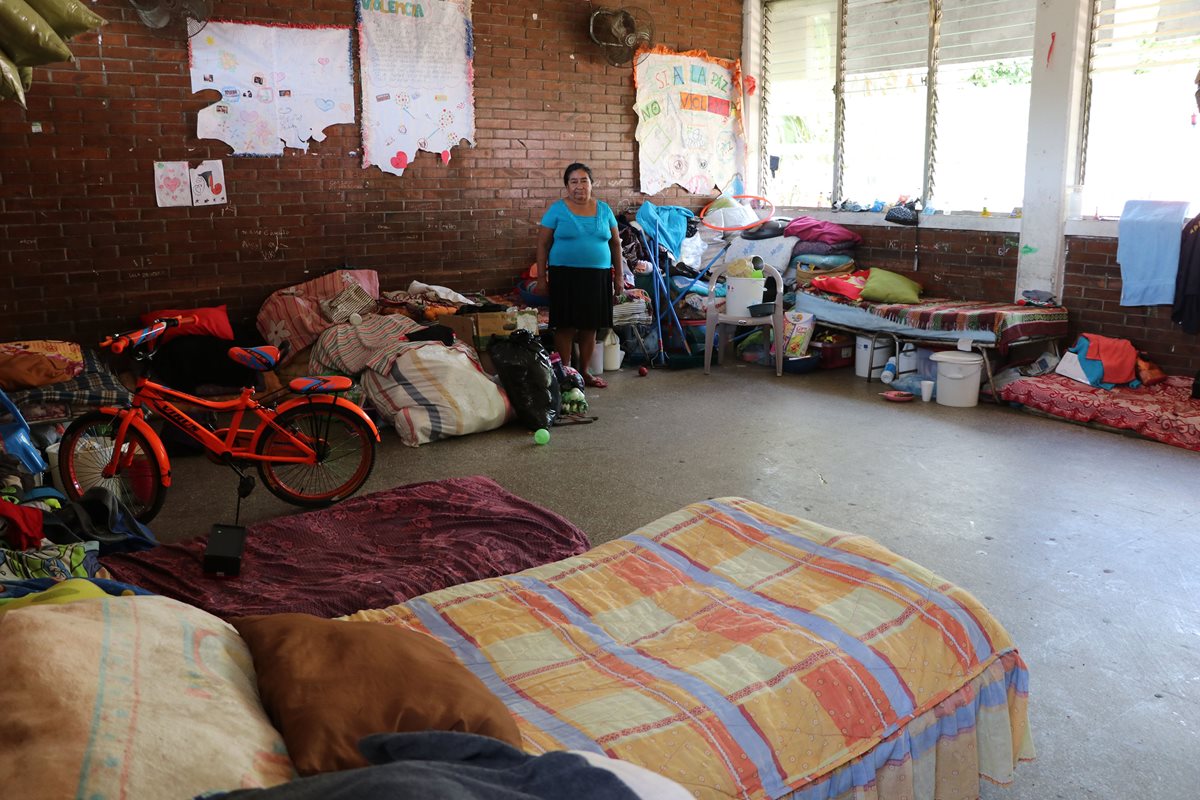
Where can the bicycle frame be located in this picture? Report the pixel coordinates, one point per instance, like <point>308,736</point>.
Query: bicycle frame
<point>157,398</point>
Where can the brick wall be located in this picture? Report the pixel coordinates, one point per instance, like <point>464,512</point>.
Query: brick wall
<point>1093,294</point>
<point>962,265</point>
<point>86,249</point>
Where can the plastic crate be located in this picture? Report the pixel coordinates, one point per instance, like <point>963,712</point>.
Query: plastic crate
<point>836,353</point>
<point>799,366</point>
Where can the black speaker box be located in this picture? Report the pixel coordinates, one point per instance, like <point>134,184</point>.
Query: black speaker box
<point>223,554</point>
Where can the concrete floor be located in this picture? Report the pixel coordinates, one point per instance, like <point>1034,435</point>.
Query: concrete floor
<point>1083,543</point>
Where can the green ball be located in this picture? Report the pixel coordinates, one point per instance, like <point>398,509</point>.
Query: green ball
<point>541,436</point>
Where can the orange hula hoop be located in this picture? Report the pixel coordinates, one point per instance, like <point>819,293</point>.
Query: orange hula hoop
<point>747,227</point>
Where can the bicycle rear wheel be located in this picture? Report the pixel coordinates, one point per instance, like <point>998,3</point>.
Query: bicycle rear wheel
<point>345,449</point>
<point>86,449</point>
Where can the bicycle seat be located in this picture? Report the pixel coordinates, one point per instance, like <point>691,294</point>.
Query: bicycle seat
<point>256,358</point>
<point>322,384</point>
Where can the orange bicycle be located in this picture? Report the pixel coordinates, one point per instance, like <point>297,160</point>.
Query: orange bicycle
<point>313,450</point>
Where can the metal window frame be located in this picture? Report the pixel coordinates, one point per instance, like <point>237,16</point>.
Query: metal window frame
<point>839,109</point>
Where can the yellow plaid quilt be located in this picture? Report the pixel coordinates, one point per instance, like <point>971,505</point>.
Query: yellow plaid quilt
<point>737,650</point>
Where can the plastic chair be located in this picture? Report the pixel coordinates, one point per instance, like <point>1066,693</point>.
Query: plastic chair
<point>713,319</point>
<point>17,443</point>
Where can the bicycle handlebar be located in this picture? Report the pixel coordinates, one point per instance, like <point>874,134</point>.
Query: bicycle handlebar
<point>120,341</point>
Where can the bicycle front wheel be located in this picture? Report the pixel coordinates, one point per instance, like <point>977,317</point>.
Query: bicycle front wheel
<point>345,448</point>
<point>87,448</point>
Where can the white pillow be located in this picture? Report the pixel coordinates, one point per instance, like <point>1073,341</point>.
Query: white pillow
<point>776,251</point>
<point>130,697</point>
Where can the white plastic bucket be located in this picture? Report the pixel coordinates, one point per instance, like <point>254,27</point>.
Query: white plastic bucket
<point>906,360</point>
<point>865,361</point>
<point>958,377</point>
<point>613,356</point>
<point>741,293</point>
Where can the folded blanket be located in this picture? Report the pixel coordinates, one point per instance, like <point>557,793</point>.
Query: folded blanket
<point>1118,356</point>
<point>813,230</point>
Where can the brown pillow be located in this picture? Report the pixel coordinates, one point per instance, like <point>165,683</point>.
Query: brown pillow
<point>327,683</point>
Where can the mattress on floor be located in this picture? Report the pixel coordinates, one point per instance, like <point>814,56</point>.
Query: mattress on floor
<point>745,653</point>
<point>1164,412</point>
<point>365,552</point>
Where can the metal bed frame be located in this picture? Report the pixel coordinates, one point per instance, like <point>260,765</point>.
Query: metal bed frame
<point>900,339</point>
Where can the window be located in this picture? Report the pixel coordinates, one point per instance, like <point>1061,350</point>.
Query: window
<point>883,84</point>
<point>865,122</point>
<point>800,42</point>
<point>1141,139</point>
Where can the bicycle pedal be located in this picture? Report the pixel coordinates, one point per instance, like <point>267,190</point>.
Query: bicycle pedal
<point>245,486</point>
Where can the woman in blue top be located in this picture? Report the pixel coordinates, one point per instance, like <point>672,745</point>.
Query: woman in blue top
<point>579,255</point>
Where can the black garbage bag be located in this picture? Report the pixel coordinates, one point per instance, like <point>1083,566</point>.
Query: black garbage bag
<point>528,379</point>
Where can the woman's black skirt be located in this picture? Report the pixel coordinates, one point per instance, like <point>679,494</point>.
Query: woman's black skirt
<point>581,297</point>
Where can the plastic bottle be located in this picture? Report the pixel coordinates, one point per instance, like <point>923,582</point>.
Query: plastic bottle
<point>889,371</point>
<point>910,383</point>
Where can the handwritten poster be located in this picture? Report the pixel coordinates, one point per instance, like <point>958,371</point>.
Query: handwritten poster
<point>171,184</point>
<point>689,128</point>
<point>280,86</point>
<point>417,80</point>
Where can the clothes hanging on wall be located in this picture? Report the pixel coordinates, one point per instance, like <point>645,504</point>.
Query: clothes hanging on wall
<point>1148,250</point>
<point>1186,309</point>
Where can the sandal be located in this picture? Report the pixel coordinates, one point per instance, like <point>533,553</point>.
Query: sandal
<point>594,382</point>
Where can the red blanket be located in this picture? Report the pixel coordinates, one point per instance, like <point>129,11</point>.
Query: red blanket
<point>1164,412</point>
<point>366,552</point>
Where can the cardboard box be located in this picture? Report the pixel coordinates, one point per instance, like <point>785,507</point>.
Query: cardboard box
<point>479,329</point>
<point>463,327</point>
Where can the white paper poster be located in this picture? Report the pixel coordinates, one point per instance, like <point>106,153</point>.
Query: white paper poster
<point>208,184</point>
<point>415,61</point>
<point>172,184</point>
<point>280,86</point>
<point>689,128</point>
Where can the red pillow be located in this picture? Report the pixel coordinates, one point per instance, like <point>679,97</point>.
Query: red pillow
<point>850,286</point>
<point>212,321</point>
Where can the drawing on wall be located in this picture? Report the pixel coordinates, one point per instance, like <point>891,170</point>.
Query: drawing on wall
<point>689,131</point>
<point>171,184</point>
<point>208,184</point>
<point>417,79</point>
<point>280,86</point>
<point>175,184</point>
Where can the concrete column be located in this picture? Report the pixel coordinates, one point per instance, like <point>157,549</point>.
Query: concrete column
<point>1052,150</point>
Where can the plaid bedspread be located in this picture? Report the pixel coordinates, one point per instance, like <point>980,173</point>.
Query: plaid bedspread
<point>96,386</point>
<point>737,650</point>
<point>1009,321</point>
